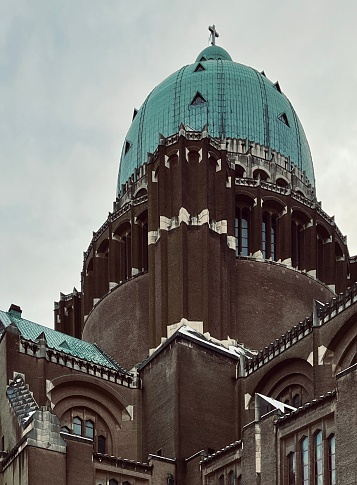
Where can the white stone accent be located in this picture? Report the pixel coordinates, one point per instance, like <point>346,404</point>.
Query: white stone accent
<point>153,176</point>
<point>112,284</point>
<point>219,226</point>
<point>165,223</point>
<point>184,216</point>
<point>134,271</point>
<point>312,273</point>
<point>219,165</point>
<point>231,242</point>
<point>196,325</point>
<point>247,398</point>
<point>310,359</point>
<point>95,301</point>
<point>203,217</point>
<point>153,236</point>
<point>332,288</point>
<point>321,351</point>
<point>287,262</point>
<point>167,163</point>
<point>229,182</point>
<point>258,254</point>
<point>130,410</point>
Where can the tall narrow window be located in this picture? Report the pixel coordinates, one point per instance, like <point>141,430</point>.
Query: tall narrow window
<point>273,239</point>
<point>332,460</point>
<point>242,231</point>
<point>318,459</point>
<point>221,480</point>
<point>264,236</point>
<point>297,242</point>
<point>305,461</point>
<point>291,469</point>
<point>101,444</point>
<point>269,236</point>
<point>89,429</point>
<point>240,480</point>
<point>231,478</point>
<point>77,426</point>
<point>297,400</point>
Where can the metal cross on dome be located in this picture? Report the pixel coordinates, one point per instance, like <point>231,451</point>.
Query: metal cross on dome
<point>213,34</point>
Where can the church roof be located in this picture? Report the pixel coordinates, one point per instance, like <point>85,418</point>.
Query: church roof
<point>58,341</point>
<point>230,100</point>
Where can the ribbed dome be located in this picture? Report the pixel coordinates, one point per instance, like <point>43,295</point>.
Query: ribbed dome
<point>233,100</point>
<point>213,52</point>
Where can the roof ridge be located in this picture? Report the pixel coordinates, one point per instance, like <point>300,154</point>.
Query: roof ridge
<point>111,359</point>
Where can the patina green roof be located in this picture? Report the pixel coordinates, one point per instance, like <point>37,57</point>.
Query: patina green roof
<point>236,102</point>
<point>59,341</point>
<point>213,52</point>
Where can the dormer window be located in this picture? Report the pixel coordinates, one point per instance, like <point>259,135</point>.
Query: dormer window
<point>284,119</point>
<point>199,68</point>
<point>198,99</point>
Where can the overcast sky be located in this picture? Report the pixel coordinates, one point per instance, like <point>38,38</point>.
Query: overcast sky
<point>71,72</point>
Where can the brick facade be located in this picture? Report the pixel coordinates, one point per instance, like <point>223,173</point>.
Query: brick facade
<point>213,336</point>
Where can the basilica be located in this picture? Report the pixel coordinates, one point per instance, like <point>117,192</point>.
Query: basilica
<point>214,336</point>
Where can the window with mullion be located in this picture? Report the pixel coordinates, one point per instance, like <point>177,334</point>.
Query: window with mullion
<point>264,236</point>
<point>269,236</point>
<point>305,461</point>
<point>291,468</point>
<point>241,231</point>
<point>89,429</point>
<point>77,426</point>
<point>318,459</point>
<point>332,459</point>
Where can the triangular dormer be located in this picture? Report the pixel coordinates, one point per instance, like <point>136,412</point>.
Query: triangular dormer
<point>199,68</point>
<point>284,119</point>
<point>198,99</point>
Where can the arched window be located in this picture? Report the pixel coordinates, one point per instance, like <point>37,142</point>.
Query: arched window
<point>297,244</point>
<point>221,480</point>
<point>318,459</point>
<point>297,400</point>
<point>262,174</point>
<point>101,444</point>
<point>242,223</point>
<point>332,460</point>
<point>123,235</point>
<point>77,426</point>
<point>240,482</point>
<point>239,171</point>
<point>291,468</point>
<point>89,429</point>
<point>320,258</point>
<point>112,481</point>
<point>323,237</point>
<point>143,241</point>
<point>231,478</point>
<point>269,236</point>
<point>304,461</point>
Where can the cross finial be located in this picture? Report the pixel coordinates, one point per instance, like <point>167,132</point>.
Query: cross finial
<point>213,34</point>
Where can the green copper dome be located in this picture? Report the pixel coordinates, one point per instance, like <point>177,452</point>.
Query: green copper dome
<point>213,52</point>
<point>233,100</point>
